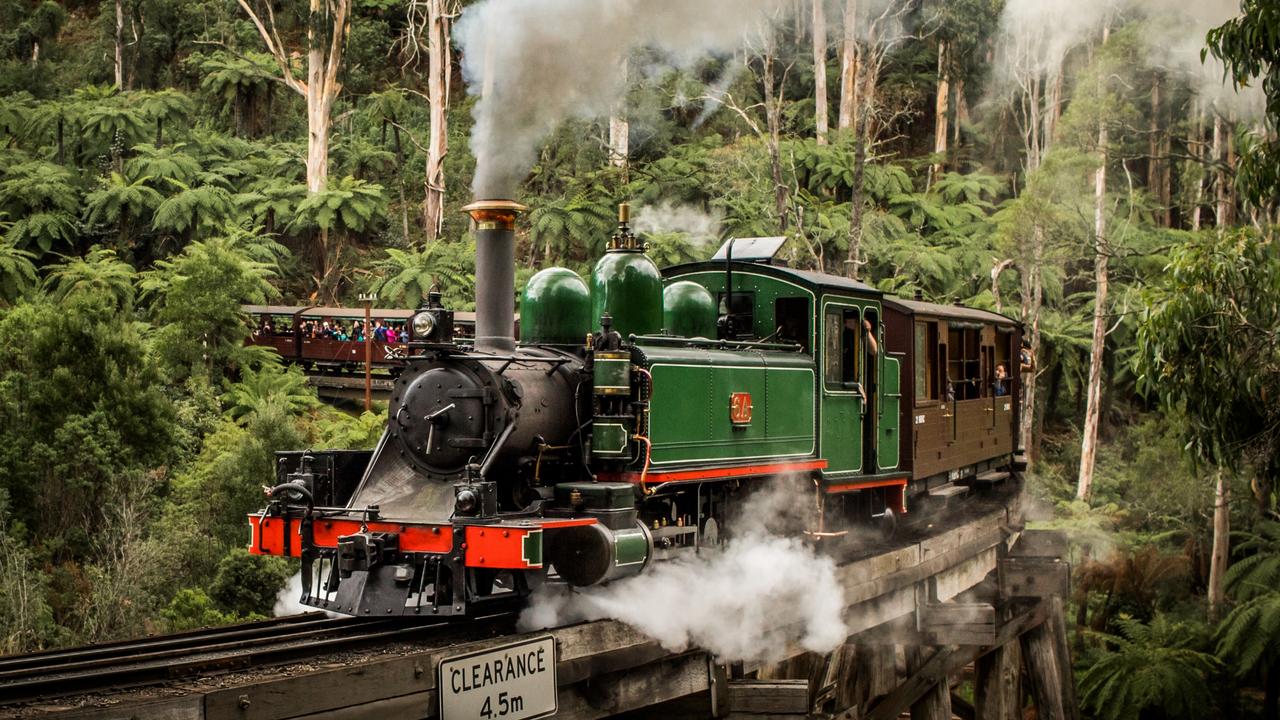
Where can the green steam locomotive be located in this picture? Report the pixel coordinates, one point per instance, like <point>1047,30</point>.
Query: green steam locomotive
<point>632,417</point>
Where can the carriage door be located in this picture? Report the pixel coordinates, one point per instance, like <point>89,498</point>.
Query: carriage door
<point>890,400</point>
<point>842,403</point>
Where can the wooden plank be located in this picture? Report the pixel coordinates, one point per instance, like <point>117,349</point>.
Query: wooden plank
<point>417,706</point>
<point>959,623</point>
<point>634,689</point>
<point>769,696</point>
<point>963,576</point>
<point>187,707</point>
<point>935,702</point>
<point>1033,578</point>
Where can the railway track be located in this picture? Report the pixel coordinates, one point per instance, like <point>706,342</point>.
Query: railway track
<point>161,658</point>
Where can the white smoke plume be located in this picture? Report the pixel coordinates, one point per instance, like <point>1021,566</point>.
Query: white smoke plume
<point>535,63</point>
<point>749,601</point>
<point>1037,35</point>
<point>701,227</point>
<point>288,602</point>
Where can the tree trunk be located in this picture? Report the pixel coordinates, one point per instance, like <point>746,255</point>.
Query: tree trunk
<point>620,132</point>
<point>773,116</point>
<point>1032,302</point>
<point>848,66</point>
<point>942,108</point>
<point>1053,109</point>
<point>404,203</point>
<point>119,40</point>
<point>1221,536</point>
<point>1196,143</point>
<point>853,262</point>
<point>438,71</point>
<point>1093,403</point>
<point>820,70</point>
<point>1153,143</point>
<point>1219,176</point>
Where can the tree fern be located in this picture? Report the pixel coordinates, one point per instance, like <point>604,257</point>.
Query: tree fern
<point>17,273</point>
<point>1153,667</point>
<point>99,274</point>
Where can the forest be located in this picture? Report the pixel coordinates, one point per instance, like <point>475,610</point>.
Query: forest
<point>1107,172</point>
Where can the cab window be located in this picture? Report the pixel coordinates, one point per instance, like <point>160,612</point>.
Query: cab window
<point>842,345</point>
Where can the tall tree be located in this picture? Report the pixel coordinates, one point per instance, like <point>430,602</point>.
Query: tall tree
<point>328,24</point>
<point>848,65</point>
<point>1215,356</point>
<point>439,69</point>
<point>1101,254</point>
<point>819,32</point>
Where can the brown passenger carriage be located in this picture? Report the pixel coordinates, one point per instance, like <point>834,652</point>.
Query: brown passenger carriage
<point>958,423</point>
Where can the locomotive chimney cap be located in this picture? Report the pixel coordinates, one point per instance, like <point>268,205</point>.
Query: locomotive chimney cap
<point>494,214</point>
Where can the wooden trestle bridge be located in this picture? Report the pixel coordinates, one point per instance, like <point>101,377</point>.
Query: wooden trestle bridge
<point>979,601</point>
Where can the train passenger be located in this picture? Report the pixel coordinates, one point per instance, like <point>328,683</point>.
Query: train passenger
<point>1002,381</point>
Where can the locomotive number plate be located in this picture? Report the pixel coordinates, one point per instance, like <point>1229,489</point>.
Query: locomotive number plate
<point>513,682</point>
<point>740,408</point>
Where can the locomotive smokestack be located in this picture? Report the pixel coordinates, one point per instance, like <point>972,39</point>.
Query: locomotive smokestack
<point>495,227</point>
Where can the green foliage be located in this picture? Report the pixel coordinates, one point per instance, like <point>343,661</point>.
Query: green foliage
<point>1249,637</point>
<point>68,441</point>
<point>246,585</point>
<point>191,609</point>
<point>403,277</point>
<point>346,204</point>
<point>1155,667</point>
<point>340,431</point>
<point>1215,354</point>
<point>195,300</point>
<point>267,387</point>
<point>99,276</point>
<point>17,272</point>
<point>1249,47</point>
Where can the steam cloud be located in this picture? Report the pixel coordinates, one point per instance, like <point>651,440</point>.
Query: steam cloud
<point>287,602</point>
<point>701,227</point>
<point>535,63</point>
<point>747,602</point>
<point>1036,35</point>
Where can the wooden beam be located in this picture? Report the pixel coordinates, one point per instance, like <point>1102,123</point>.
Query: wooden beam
<point>948,660</point>
<point>769,697</point>
<point>1033,577</point>
<point>957,623</point>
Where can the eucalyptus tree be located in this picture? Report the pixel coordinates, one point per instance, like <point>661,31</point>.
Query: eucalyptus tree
<point>1207,344</point>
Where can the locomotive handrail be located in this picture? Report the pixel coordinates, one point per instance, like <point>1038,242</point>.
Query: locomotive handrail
<point>707,342</point>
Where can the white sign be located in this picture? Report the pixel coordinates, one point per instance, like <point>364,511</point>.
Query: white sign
<point>513,682</point>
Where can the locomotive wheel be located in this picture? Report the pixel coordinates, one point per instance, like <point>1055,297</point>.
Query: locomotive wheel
<point>887,524</point>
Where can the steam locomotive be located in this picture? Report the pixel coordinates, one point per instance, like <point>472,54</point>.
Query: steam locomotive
<point>631,418</point>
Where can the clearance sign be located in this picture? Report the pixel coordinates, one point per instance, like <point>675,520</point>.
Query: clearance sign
<point>512,682</point>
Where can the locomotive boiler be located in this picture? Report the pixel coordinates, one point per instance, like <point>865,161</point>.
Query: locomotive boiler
<point>633,413</point>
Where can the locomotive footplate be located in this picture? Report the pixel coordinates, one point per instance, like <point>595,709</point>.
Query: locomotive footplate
<point>360,567</point>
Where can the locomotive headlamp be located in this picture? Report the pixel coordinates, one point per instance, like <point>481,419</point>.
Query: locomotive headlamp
<point>465,502</point>
<point>423,324</point>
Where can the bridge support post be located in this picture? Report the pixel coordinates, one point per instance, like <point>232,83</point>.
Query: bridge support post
<point>935,703</point>
<point>997,688</point>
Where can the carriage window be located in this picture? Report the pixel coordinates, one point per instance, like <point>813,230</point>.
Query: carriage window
<point>926,358</point>
<point>842,345</point>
